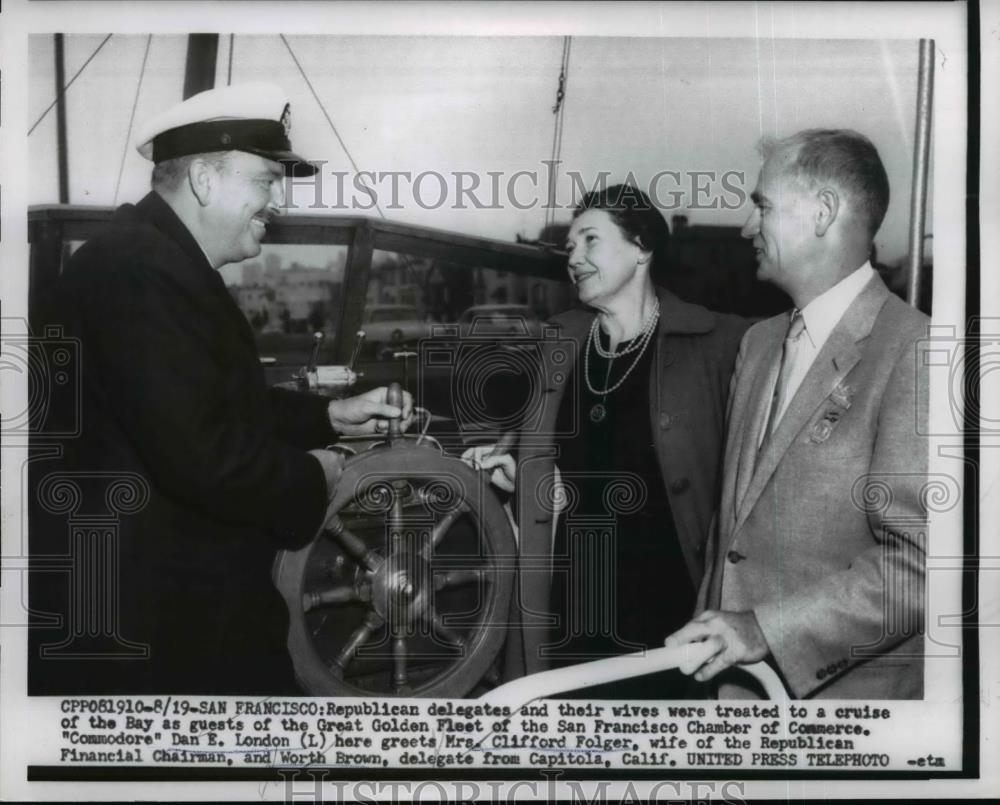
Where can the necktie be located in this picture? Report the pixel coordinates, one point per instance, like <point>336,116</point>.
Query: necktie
<point>796,327</point>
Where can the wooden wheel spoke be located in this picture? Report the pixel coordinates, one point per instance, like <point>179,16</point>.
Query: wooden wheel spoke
<point>394,509</point>
<point>445,523</point>
<point>342,594</point>
<point>352,544</point>
<point>443,579</point>
<point>357,639</point>
<point>399,676</point>
<point>446,633</point>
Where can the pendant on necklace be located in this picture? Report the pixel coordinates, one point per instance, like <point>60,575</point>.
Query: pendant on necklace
<point>598,412</point>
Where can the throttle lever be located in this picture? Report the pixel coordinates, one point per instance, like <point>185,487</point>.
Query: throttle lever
<point>357,349</point>
<point>394,396</point>
<point>314,357</point>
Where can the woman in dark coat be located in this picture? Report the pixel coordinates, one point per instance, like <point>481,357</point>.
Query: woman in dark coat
<point>617,485</point>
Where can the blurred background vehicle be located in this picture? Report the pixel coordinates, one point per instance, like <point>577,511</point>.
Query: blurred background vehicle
<point>494,320</point>
<point>392,328</point>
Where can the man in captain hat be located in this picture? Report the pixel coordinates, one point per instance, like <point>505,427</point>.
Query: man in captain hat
<point>174,395</point>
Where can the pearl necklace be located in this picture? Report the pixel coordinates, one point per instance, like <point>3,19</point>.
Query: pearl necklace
<point>640,344</point>
<point>637,343</point>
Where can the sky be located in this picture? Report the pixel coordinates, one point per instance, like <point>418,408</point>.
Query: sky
<point>633,107</point>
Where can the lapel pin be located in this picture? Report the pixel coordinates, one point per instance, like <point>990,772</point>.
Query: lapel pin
<point>821,431</point>
<point>842,394</point>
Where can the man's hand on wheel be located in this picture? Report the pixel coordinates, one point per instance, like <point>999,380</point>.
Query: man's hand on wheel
<point>369,413</point>
<point>736,636</point>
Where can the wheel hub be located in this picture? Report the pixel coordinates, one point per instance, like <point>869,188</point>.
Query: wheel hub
<point>401,588</point>
<point>407,591</point>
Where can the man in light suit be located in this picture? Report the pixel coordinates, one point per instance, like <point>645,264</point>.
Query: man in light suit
<point>817,562</point>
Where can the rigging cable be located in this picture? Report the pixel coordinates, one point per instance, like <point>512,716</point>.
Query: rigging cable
<point>69,84</point>
<point>328,120</point>
<point>229,72</point>
<point>559,110</point>
<point>131,119</point>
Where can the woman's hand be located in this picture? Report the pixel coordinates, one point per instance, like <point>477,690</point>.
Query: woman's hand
<point>503,466</point>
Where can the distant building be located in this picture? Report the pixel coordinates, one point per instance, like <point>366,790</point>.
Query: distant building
<point>398,280</point>
<point>442,291</point>
<point>545,297</point>
<point>715,266</point>
<point>291,300</point>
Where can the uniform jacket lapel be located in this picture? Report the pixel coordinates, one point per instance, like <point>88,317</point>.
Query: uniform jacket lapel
<point>154,209</point>
<point>198,274</point>
<point>838,356</point>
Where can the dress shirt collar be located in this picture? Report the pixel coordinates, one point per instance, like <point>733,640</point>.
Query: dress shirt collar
<point>822,313</point>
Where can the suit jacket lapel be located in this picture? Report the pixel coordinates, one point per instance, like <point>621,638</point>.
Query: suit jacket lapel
<point>750,398</point>
<point>759,402</point>
<point>838,356</point>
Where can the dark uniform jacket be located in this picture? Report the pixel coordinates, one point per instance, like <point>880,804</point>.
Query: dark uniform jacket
<point>216,477</point>
<point>695,350</point>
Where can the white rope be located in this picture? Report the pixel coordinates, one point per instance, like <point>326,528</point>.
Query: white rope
<point>525,690</point>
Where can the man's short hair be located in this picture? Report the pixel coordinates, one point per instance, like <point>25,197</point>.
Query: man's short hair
<point>843,157</point>
<point>172,173</point>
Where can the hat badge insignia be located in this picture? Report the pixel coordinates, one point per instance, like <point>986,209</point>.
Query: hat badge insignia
<point>286,119</point>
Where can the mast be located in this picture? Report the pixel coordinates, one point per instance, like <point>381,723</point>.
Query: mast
<point>61,149</point>
<point>921,159</point>
<point>199,69</point>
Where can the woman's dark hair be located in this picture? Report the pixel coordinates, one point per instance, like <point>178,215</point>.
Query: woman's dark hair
<point>638,219</point>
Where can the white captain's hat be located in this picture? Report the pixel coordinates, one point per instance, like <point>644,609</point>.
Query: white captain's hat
<point>256,118</point>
